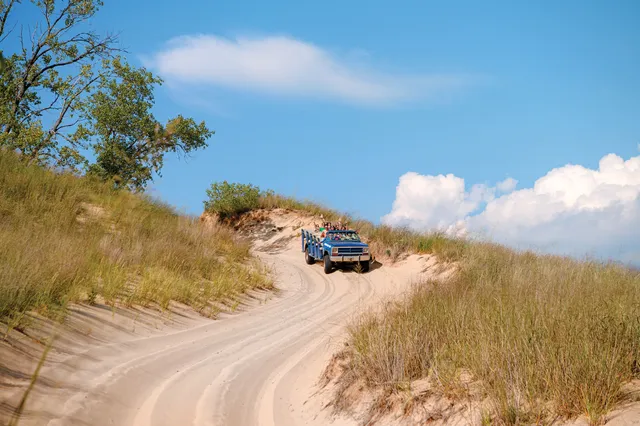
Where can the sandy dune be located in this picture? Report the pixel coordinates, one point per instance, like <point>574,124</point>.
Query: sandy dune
<point>259,367</point>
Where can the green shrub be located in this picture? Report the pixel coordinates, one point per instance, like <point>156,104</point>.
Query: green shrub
<point>229,199</point>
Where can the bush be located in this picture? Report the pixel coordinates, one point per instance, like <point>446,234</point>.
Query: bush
<point>229,199</point>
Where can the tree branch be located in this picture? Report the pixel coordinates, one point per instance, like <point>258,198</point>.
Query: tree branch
<point>47,42</point>
<point>41,110</point>
<point>67,104</point>
<point>58,126</point>
<point>64,126</point>
<point>94,50</point>
<point>4,15</point>
<point>63,12</point>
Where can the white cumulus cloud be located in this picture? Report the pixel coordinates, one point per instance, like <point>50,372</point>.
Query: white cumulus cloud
<point>507,185</point>
<point>435,202</point>
<point>572,209</point>
<point>284,65</point>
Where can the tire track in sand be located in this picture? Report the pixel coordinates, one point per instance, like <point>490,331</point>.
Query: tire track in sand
<point>255,368</point>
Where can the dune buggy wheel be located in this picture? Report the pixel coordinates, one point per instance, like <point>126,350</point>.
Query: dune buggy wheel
<point>328,266</point>
<point>307,257</point>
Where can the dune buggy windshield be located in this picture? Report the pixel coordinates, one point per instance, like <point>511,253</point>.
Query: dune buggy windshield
<point>343,236</point>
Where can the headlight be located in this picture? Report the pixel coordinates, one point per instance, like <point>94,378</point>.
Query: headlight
<point>334,251</point>
<point>365,250</point>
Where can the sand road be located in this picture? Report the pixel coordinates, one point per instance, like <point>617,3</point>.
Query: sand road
<point>259,367</point>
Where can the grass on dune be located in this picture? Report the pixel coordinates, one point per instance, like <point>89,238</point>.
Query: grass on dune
<point>382,239</point>
<point>541,335</point>
<point>71,239</point>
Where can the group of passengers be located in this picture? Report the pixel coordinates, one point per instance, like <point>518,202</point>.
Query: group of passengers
<point>328,226</point>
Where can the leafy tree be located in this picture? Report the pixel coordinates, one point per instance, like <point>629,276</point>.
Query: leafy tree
<point>228,199</point>
<point>131,143</point>
<point>66,91</point>
<point>44,84</point>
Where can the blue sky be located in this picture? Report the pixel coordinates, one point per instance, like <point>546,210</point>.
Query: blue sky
<point>479,90</point>
<point>562,86</point>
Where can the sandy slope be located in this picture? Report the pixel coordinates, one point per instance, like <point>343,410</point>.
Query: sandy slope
<point>259,367</point>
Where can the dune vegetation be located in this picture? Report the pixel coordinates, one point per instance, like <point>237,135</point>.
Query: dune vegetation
<point>535,336</point>
<point>76,239</point>
<point>540,336</point>
<point>70,100</point>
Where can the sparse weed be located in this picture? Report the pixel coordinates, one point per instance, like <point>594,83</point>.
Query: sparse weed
<point>17,414</point>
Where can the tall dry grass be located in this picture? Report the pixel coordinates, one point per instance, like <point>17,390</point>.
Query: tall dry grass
<point>541,335</point>
<point>69,239</point>
<point>383,240</point>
